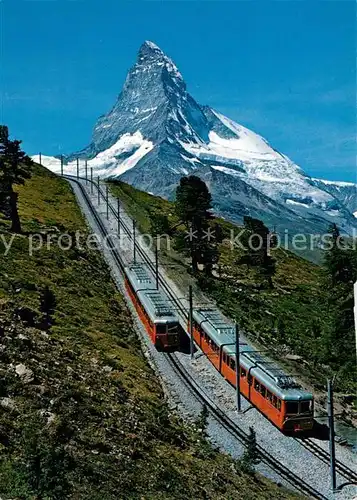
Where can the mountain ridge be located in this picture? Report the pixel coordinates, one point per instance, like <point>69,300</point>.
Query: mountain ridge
<point>156,132</point>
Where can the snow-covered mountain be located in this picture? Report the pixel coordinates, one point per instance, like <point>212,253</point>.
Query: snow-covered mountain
<point>345,192</point>
<point>156,133</point>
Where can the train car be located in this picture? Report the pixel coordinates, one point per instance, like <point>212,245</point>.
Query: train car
<point>262,382</point>
<point>153,308</point>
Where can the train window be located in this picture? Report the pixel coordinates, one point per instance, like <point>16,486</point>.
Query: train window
<point>263,390</point>
<point>224,357</point>
<point>269,396</point>
<point>256,386</point>
<point>161,328</point>
<point>292,407</point>
<point>275,401</point>
<point>305,406</point>
<point>232,364</point>
<point>250,379</point>
<point>243,372</point>
<point>278,404</point>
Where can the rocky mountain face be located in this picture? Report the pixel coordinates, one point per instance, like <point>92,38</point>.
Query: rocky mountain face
<point>344,192</point>
<point>156,133</point>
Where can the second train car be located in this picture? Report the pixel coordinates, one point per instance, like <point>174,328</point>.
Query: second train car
<point>276,394</point>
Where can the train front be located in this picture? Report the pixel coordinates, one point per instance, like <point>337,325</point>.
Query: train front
<point>298,409</point>
<point>167,333</point>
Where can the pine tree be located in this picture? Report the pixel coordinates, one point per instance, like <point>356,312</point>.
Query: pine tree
<point>339,259</point>
<point>15,168</point>
<point>192,206</point>
<point>258,242</point>
<point>47,304</point>
<point>202,420</point>
<point>341,272</point>
<point>251,456</point>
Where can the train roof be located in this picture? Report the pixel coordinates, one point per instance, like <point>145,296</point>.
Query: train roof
<point>157,306</point>
<point>222,332</point>
<point>154,301</point>
<point>139,277</point>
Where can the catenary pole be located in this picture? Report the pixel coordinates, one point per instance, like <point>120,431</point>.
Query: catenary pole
<point>237,369</point>
<point>331,434</point>
<point>40,159</point>
<point>190,300</point>
<point>77,168</point>
<point>86,167</point>
<point>157,263</point>
<point>98,188</point>
<point>134,241</point>
<point>107,200</point>
<point>91,180</point>
<point>61,165</point>
<point>118,217</point>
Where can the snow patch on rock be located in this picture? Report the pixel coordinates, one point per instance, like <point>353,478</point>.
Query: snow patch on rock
<point>107,163</point>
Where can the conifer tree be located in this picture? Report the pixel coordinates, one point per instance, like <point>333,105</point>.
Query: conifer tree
<point>258,241</point>
<point>47,304</point>
<point>341,272</point>
<point>193,204</point>
<point>251,455</point>
<point>15,168</point>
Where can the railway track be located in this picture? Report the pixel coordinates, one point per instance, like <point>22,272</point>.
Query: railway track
<point>183,312</point>
<point>240,435</point>
<point>308,444</point>
<point>283,472</point>
<point>324,456</point>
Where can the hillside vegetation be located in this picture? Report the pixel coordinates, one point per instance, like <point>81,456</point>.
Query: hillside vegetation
<point>290,320</point>
<point>82,415</point>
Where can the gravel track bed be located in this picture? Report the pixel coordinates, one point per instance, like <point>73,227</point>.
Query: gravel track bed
<point>286,450</point>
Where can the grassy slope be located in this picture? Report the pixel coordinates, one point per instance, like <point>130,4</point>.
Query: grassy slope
<point>93,423</point>
<point>291,317</point>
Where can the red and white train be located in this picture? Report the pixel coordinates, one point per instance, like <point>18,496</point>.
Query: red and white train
<point>262,382</point>
<point>153,307</point>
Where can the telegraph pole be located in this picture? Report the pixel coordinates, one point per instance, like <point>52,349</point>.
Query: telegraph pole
<point>98,187</point>
<point>40,159</point>
<point>238,370</point>
<point>61,165</point>
<point>77,168</point>
<point>118,217</point>
<point>86,166</point>
<point>332,434</point>
<point>190,299</point>
<point>107,200</point>
<point>134,241</point>
<point>157,264</point>
<point>91,180</point>
<point>355,306</point>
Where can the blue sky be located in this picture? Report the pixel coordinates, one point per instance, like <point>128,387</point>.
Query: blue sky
<point>285,69</point>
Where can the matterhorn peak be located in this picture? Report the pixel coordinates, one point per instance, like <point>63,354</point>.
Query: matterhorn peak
<point>150,54</point>
<point>149,50</point>
<point>156,132</point>
<point>148,45</point>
